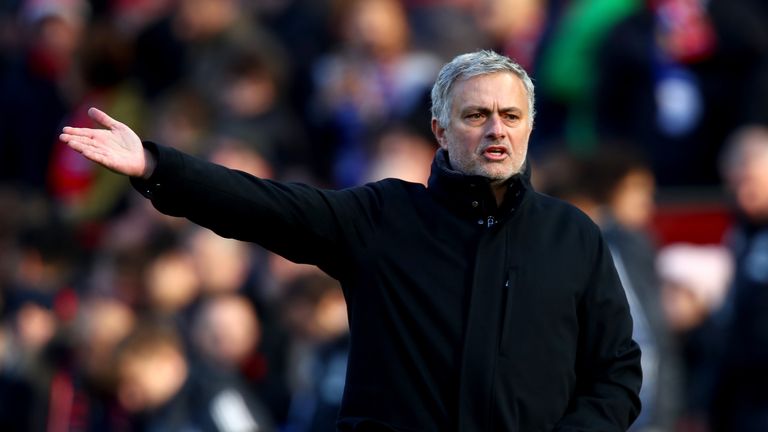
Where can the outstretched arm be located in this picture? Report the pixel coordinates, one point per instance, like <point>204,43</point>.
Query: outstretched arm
<point>116,147</point>
<point>300,222</point>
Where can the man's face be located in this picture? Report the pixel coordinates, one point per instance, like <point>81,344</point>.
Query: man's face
<point>748,179</point>
<point>489,126</point>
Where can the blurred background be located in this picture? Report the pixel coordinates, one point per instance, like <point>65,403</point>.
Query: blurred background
<point>652,118</point>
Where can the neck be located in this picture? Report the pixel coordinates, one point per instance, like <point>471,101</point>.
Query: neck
<point>499,189</point>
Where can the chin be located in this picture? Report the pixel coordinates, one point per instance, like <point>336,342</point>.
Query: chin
<point>500,174</point>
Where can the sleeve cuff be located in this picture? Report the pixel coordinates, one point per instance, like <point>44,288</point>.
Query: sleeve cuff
<point>150,186</point>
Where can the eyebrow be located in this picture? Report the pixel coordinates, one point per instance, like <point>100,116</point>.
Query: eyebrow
<point>486,110</point>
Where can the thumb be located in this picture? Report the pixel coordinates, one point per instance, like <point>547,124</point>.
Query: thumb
<point>101,118</point>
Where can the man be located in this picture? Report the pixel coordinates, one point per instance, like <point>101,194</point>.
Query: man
<point>164,391</point>
<point>739,399</point>
<point>475,304</point>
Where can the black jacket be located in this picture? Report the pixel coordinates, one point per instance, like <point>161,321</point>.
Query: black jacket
<point>463,316</point>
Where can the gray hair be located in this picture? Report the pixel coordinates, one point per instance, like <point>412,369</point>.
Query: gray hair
<point>470,65</point>
<point>742,145</point>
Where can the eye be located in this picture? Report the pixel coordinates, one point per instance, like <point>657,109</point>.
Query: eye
<point>474,116</point>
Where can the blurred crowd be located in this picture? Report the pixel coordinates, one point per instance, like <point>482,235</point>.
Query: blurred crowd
<point>114,317</point>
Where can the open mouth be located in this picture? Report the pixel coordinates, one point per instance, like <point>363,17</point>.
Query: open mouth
<point>495,152</point>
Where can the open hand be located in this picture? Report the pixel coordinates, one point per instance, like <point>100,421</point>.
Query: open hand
<point>116,147</point>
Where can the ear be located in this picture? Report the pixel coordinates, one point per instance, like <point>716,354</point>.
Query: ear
<point>439,133</point>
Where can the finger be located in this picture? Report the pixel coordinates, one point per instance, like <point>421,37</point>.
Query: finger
<point>81,132</point>
<point>66,137</point>
<point>77,144</point>
<point>102,118</point>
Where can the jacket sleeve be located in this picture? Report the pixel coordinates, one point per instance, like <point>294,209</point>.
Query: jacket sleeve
<point>608,372</point>
<point>300,222</point>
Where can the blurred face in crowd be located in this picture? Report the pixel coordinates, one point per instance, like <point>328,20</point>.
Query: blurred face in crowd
<point>379,27</point>
<point>331,316</point>
<point>316,317</point>
<point>682,308</point>
<point>58,35</point>
<point>404,155</point>
<point>35,327</point>
<point>632,202</point>
<point>237,154</point>
<point>201,19</point>
<point>104,324</point>
<point>171,282</point>
<point>747,174</point>
<point>148,380</point>
<point>250,94</point>
<point>222,264</point>
<point>694,282</point>
<point>489,126</point>
<point>502,18</point>
<point>227,330</point>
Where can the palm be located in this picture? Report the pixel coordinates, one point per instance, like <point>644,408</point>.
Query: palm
<point>116,147</point>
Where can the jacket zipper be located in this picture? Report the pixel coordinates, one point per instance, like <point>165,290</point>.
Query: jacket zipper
<point>491,221</point>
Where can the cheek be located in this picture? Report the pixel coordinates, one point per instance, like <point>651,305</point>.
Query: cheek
<point>520,151</point>
<point>466,141</point>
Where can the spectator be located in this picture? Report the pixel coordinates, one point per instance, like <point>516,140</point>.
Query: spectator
<point>194,45</point>
<point>159,386</point>
<point>401,153</point>
<point>740,401</point>
<point>315,311</point>
<point>227,267</point>
<point>226,331</point>
<point>253,98</point>
<point>227,337</point>
<point>28,326</point>
<point>84,193</point>
<point>695,280</point>
<point>429,20</point>
<point>514,28</point>
<point>171,284</point>
<point>616,189</point>
<point>370,80</point>
<point>35,88</point>
<point>223,265</point>
<point>660,83</point>
<point>694,283</point>
<point>243,149</point>
<point>43,268</point>
<point>291,21</point>
<point>83,391</point>
<point>568,68</point>
<point>184,119</point>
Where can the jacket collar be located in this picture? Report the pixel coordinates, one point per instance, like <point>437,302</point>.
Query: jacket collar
<point>471,195</point>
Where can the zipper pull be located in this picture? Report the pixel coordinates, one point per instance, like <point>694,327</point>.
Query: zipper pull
<point>491,221</point>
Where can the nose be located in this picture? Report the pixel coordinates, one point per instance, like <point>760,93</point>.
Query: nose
<point>494,127</point>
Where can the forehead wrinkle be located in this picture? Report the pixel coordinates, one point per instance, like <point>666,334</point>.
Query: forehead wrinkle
<point>472,89</point>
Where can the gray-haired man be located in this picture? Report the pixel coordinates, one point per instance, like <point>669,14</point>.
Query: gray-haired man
<point>475,304</point>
